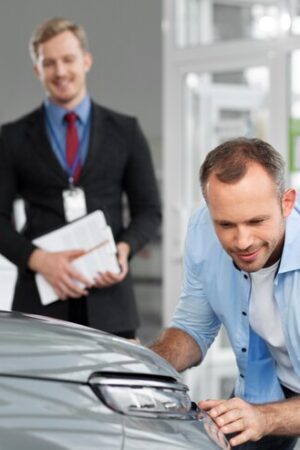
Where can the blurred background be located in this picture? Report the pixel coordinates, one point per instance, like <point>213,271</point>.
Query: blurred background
<point>195,73</point>
<point>125,40</point>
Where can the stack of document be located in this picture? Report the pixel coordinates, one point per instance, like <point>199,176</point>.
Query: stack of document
<point>90,233</point>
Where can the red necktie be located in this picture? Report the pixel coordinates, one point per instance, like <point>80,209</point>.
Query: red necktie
<point>72,142</point>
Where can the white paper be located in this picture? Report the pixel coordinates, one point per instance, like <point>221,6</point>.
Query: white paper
<point>87,233</point>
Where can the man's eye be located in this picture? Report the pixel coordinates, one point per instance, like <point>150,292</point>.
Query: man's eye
<point>69,59</point>
<point>47,63</point>
<point>257,222</point>
<point>226,225</point>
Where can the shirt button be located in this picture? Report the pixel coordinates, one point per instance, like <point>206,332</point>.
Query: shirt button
<point>244,313</point>
<point>245,276</point>
<point>244,349</point>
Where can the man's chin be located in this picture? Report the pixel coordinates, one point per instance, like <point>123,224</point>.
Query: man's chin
<point>249,267</point>
<point>63,100</point>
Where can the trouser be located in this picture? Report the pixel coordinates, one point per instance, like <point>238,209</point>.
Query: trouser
<point>78,314</point>
<point>271,442</point>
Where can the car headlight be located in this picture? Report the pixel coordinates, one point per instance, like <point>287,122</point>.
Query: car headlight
<point>144,397</point>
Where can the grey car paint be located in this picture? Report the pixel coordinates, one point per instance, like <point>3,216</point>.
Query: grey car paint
<point>47,403</point>
<point>62,351</point>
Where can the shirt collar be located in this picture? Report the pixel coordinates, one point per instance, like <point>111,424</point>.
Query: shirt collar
<point>56,113</point>
<point>290,259</point>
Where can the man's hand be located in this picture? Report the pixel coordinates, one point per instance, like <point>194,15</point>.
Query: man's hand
<point>237,416</point>
<point>56,267</point>
<point>107,279</point>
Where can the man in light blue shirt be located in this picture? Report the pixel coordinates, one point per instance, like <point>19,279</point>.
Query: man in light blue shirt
<point>249,231</point>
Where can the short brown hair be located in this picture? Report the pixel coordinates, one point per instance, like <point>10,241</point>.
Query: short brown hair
<point>51,28</point>
<point>230,160</point>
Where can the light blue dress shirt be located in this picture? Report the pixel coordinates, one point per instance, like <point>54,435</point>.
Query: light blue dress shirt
<point>56,128</point>
<point>215,292</point>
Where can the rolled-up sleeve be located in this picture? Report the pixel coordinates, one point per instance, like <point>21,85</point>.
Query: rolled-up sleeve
<point>193,314</point>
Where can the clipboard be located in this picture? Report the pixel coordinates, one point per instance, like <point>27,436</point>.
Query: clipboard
<point>90,233</point>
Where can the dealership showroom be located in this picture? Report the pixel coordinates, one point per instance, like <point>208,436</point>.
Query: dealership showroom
<point>156,86</point>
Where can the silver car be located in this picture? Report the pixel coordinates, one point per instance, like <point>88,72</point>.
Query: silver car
<point>63,387</point>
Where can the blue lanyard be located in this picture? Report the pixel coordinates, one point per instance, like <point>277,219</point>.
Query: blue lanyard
<point>69,169</point>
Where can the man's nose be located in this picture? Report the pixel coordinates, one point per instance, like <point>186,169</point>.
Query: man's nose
<point>243,239</point>
<point>60,68</point>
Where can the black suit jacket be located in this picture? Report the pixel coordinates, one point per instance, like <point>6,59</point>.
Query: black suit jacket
<point>118,161</point>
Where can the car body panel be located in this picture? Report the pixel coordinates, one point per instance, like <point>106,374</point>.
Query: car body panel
<point>46,415</point>
<point>171,435</point>
<point>62,351</point>
<point>56,415</point>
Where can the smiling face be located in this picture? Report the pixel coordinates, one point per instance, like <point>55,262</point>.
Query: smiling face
<point>61,67</point>
<point>249,218</point>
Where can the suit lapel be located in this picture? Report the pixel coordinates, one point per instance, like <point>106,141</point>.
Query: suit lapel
<point>36,132</point>
<point>96,138</point>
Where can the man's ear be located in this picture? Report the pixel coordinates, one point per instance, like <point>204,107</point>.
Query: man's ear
<point>288,201</point>
<point>36,71</point>
<point>88,61</point>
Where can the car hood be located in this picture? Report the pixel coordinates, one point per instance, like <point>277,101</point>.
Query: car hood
<point>35,346</point>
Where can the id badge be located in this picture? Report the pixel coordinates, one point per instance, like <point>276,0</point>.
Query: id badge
<point>74,203</point>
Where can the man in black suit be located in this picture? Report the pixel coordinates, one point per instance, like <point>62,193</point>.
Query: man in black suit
<point>111,158</point>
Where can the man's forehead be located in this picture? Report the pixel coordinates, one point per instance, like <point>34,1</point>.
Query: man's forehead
<point>250,198</point>
<point>65,42</point>
<point>244,210</point>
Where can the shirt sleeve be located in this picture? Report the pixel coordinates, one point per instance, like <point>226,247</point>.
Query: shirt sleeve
<point>14,246</point>
<point>193,314</point>
<point>140,185</point>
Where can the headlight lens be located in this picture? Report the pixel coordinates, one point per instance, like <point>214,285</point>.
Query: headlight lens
<point>151,398</point>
